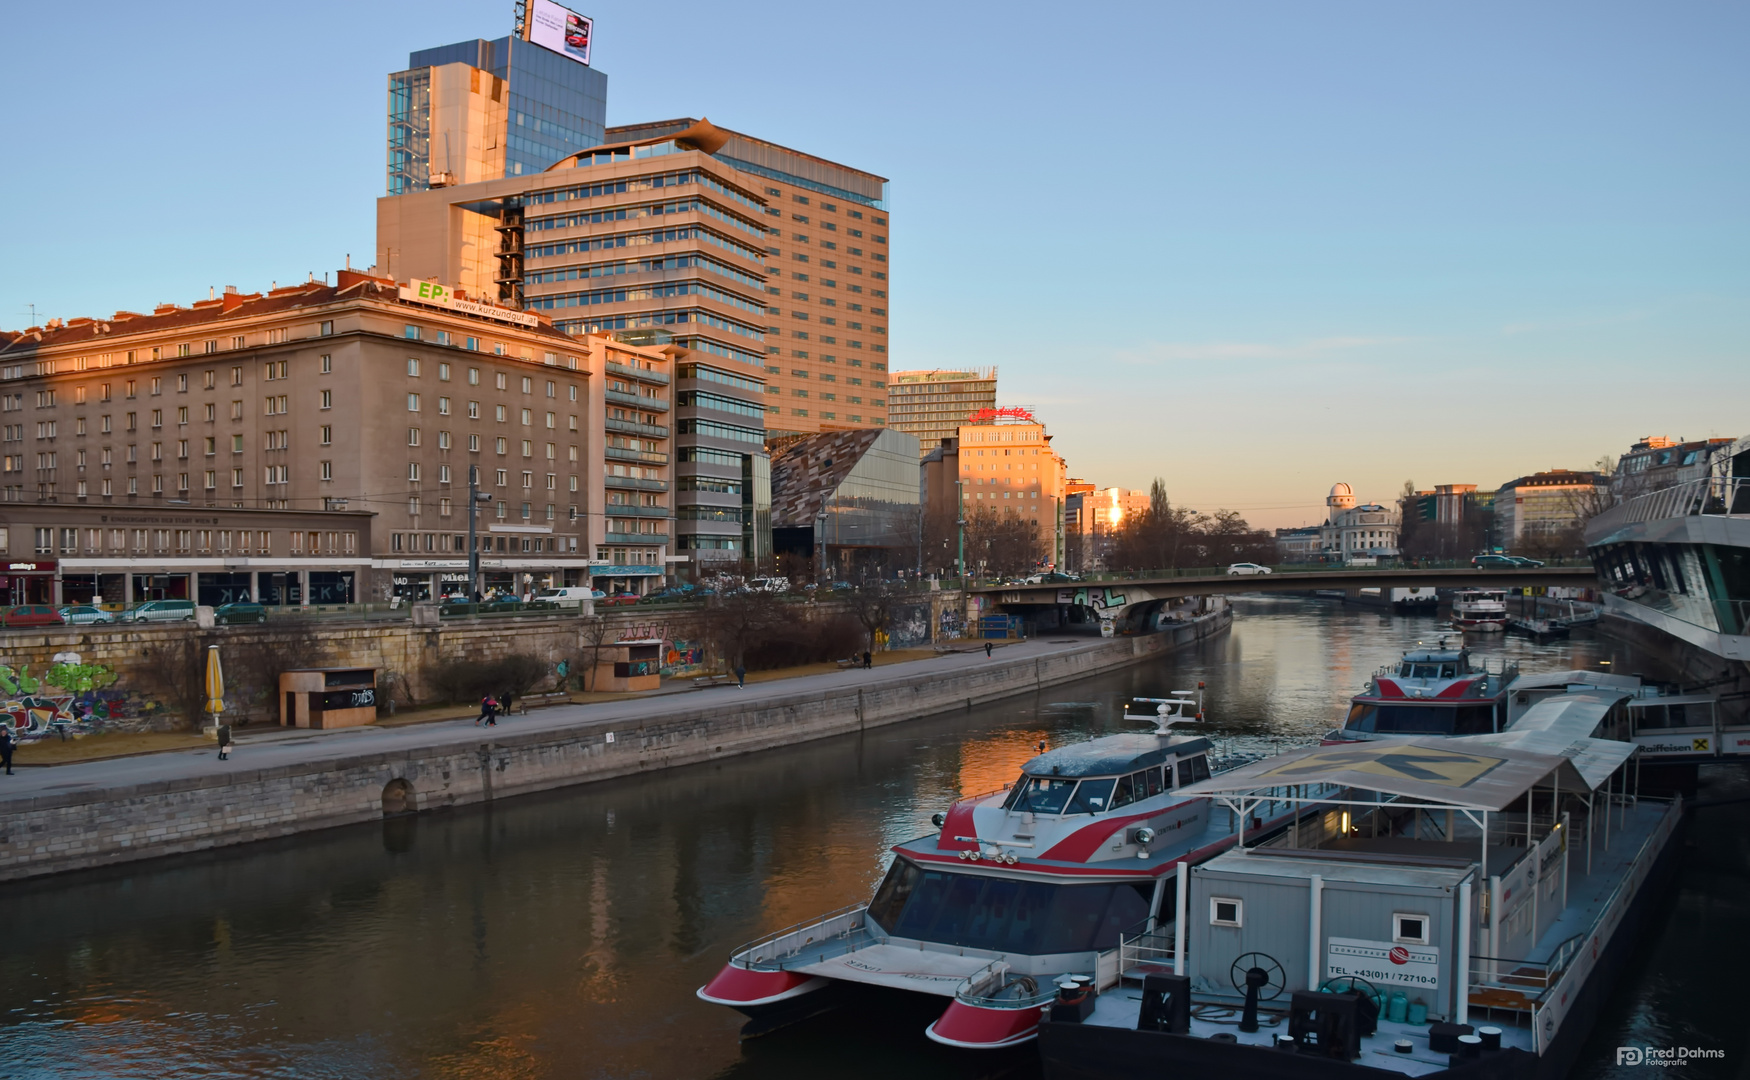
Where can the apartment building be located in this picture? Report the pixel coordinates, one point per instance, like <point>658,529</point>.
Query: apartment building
<point>654,243</point>
<point>933,404</point>
<point>825,315</point>
<point>1537,509</point>
<point>211,450</point>
<point>1009,467</point>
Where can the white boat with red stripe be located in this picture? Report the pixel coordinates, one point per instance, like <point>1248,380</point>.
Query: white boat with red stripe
<point>1021,889</point>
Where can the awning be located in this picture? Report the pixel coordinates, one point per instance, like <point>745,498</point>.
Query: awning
<point>1551,680</point>
<point>1564,726</point>
<point>1446,772</point>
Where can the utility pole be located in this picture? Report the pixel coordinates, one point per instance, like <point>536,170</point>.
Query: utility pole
<point>475,498</point>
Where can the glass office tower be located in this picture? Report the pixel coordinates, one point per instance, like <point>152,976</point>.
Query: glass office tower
<point>481,110</point>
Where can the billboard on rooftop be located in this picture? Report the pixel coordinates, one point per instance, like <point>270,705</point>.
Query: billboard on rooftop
<point>560,29</point>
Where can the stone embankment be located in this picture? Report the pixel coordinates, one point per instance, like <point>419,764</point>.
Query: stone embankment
<point>100,818</point>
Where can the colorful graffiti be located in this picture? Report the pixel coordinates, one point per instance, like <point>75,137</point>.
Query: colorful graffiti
<point>682,657</point>
<point>71,698</point>
<point>950,624</point>
<point>1098,599</point>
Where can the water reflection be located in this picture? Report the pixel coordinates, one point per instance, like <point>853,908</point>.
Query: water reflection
<point>564,935</point>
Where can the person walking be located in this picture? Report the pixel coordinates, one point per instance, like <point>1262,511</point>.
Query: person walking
<point>868,660</point>
<point>6,745</point>
<point>740,675</point>
<point>224,742</point>
<point>506,701</point>
<point>987,648</point>
<point>488,712</point>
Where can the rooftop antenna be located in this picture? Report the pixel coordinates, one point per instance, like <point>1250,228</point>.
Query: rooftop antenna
<point>32,308</point>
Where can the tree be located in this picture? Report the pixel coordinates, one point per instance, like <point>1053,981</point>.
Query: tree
<point>872,604</point>
<point>1001,543</point>
<point>737,616</point>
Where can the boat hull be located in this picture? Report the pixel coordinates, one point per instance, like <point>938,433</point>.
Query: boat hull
<point>1070,1051</point>
<point>970,1027</point>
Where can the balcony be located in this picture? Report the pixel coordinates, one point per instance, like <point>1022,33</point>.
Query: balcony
<point>658,377</point>
<point>621,397</point>
<point>632,427</point>
<point>636,538</point>
<point>634,483</point>
<point>646,457</point>
<point>621,510</point>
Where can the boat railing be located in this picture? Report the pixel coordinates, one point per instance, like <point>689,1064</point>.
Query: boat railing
<point>1530,980</point>
<point>845,930</point>
<point>995,986</point>
<point>1148,944</point>
<point>1713,496</point>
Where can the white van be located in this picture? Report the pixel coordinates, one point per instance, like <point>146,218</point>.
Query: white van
<point>570,595</point>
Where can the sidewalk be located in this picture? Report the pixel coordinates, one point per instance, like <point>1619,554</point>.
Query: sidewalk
<point>282,747</point>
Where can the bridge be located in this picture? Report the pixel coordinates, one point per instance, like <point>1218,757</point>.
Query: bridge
<point>1133,603</point>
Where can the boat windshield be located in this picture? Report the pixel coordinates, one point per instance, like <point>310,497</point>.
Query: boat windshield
<point>1421,719</point>
<point>1447,670</point>
<point>1039,795</point>
<point>1004,915</point>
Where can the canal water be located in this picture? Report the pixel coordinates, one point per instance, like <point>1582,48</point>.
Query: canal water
<point>563,935</point>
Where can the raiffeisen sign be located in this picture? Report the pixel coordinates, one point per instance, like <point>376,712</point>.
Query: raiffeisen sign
<point>430,292</point>
<point>991,416</point>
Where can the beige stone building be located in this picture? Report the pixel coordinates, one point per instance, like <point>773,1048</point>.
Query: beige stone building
<point>314,443</point>
<point>1010,467</point>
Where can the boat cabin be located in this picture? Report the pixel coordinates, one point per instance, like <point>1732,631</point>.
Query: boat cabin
<point>1430,692</point>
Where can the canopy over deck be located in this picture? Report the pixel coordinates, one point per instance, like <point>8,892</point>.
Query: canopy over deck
<point>1457,773</point>
<point>1563,726</point>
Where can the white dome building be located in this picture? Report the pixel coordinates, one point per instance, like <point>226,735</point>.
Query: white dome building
<point>1357,531</point>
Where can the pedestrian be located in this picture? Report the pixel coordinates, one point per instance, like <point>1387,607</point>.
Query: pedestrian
<point>505,701</point>
<point>488,712</point>
<point>868,660</point>
<point>987,648</point>
<point>740,675</point>
<point>6,745</point>
<point>224,742</point>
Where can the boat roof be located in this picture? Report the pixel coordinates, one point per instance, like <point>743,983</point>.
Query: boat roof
<point>1562,726</point>
<point>1673,699</point>
<point>1114,755</point>
<point>1550,680</point>
<point>1434,656</point>
<point>1458,772</point>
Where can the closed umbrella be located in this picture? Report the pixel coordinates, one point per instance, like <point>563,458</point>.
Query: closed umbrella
<point>215,684</point>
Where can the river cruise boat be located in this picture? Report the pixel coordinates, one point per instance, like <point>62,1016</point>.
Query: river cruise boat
<point>1017,888</point>
<point>1482,610</point>
<point>1438,691</point>
<point>1460,909</point>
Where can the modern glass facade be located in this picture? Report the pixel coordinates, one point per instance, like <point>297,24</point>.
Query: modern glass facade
<point>877,504</point>
<point>554,107</point>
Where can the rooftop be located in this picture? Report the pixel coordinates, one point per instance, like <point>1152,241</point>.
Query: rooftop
<point>1114,755</point>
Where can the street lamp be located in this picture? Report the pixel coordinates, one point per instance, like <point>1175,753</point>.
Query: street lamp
<point>475,498</point>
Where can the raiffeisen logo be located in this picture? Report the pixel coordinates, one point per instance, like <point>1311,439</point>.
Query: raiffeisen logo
<point>1665,1056</point>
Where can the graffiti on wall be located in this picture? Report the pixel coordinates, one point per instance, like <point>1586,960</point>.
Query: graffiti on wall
<point>951,623</point>
<point>908,625</point>
<point>681,657</point>
<point>1098,599</point>
<point>71,698</point>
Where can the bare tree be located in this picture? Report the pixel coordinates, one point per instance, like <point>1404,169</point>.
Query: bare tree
<point>872,604</point>
<point>175,674</point>
<point>594,637</point>
<point>737,616</point>
<point>1002,542</point>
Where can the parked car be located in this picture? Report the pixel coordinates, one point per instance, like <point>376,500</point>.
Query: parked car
<point>81,614</point>
<point>625,598</point>
<point>31,615</point>
<point>1493,562</point>
<point>1529,564</point>
<point>570,596</point>
<point>1247,568</point>
<point>161,611</point>
<point>241,611</point>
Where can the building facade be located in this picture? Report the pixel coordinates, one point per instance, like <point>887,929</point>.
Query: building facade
<point>1354,532</point>
<point>480,110</point>
<point>656,243</point>
<point>848,501</point>
<point>1300,545</point>
<point>245,435</point>
<point>933,404</point>
<point>827,259</point>
<point>1539,507</point>
<point>1009,467</point>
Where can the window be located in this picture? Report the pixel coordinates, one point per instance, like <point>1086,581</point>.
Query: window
<point>502,379</point>
<point>1408,928</point>
<point>182,384</point>
<point>327,365</point>
<point>443,440</point>
<point>410,332</point>
<point>443,373</point>
<point>412,402</point>
<point>528,417</point>
<point>237,478</point>
<point>327,470</point>
<point>327,329</point>
<point>499,444</point>
<point>1226,911</point>
<point>326,431</point>
<point>413,470</point>
<point>473,376</point>
<point>212,413</point>
<point>498,413</point>
<point>182,414</point>
<point>413,366</point>
<point>412,436</point>
<point>236,410</point>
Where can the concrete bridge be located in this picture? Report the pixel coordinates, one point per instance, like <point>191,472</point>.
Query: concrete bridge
<point>1138,603</point>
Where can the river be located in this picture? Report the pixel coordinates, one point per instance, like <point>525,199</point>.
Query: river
<point>563,935</point>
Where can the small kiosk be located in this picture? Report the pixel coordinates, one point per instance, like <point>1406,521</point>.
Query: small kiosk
<point>630,665</point>
<point>328,697</point>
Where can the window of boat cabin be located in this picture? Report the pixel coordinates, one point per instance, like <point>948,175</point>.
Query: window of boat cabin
<point>1005,915</point>
<point>1136,787</point>
<point>1191,770</point>
<point>1444,670</point>
<point>1091,797</point>
<point>1421,719</point>
<point>1039,795</point>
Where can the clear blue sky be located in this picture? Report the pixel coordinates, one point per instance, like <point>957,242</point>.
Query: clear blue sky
<point>1253,248</point>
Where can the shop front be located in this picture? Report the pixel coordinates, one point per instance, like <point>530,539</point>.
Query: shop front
<point>29,582</point>
<point>619,579</point>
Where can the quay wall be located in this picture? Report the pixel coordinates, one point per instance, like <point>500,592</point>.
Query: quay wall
<point>93,827</point>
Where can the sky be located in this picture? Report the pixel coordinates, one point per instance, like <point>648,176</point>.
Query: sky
<point>1250,248</point>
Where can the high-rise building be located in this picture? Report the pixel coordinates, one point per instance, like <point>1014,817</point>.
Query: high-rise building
<point>826,290</point>
<point>1008,467</point>
<point>479,110</point>
<point>933,404</point>
<point>656,242</point>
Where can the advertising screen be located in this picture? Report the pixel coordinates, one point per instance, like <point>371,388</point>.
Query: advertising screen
<point>560,29</point>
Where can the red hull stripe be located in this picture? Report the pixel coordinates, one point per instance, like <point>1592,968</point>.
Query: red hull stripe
<point>973,1028</point>
<point>1457,689</point>
<point>1078,845</point>
<point>1388,688</point>
<point>739,987</point>
<point>959,823</point>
